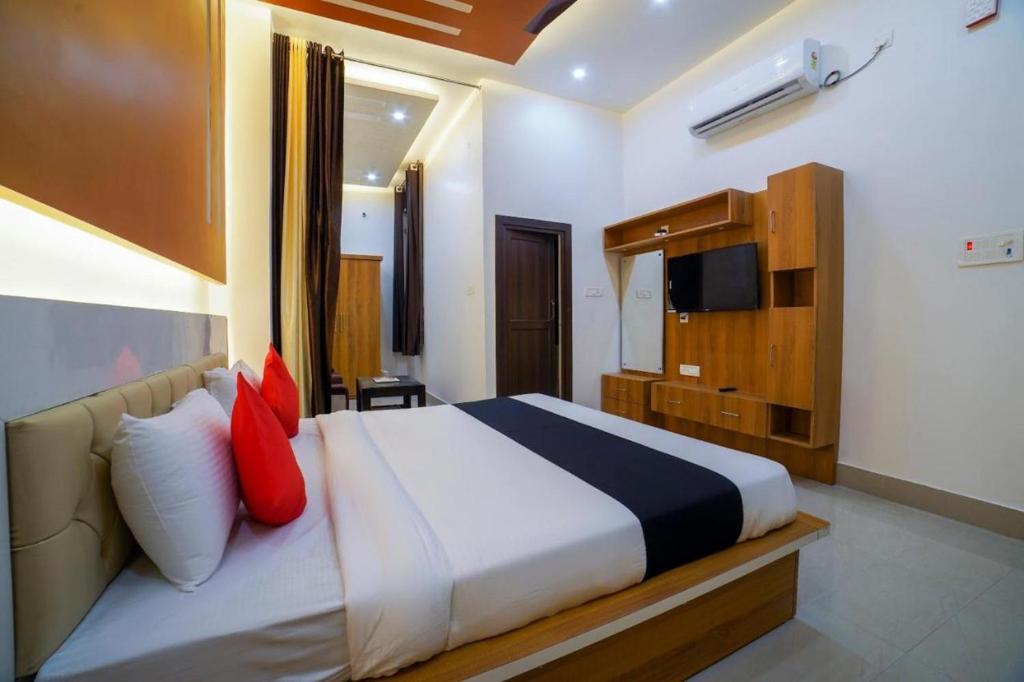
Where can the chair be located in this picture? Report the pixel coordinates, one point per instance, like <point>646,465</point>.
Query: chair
<point>338,387</point>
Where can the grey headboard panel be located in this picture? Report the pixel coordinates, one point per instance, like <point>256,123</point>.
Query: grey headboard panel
<point>68,539</point>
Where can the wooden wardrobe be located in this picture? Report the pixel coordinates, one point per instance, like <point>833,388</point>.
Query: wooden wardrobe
<point>356,351</point>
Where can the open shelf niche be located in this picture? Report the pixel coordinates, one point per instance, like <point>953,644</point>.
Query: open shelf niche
<point>722,210</point>
<point>789,425</point>
<point>792,288</point>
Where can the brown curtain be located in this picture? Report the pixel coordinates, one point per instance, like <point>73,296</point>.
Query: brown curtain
<point>279,136</point>
<point>407,318</point>
<point>306,178</point>
<point>398,282</point>
<point>412,303</point>
<point>324,120</point>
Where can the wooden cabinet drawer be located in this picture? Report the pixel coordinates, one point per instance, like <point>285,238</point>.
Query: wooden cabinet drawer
<point>616,387</point>
<point>677,401</point>
<point>623,409</point>
<point>737,414</point>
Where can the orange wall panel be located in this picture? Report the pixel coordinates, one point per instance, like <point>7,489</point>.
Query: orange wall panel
<point>112,112</point>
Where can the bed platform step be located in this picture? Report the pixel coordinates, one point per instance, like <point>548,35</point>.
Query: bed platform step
<point>667,628</point>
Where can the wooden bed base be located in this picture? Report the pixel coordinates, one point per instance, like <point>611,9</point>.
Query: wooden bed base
<point>667,628</point>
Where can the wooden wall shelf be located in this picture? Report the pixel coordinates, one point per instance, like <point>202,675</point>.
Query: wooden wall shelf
<point>722,210</point>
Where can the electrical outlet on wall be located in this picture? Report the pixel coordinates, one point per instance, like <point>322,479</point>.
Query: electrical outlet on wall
<point>689,370</point>
<point>593,292</point>
<point>885,39</point>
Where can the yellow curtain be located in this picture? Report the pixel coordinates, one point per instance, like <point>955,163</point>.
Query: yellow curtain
<point>294,304</point>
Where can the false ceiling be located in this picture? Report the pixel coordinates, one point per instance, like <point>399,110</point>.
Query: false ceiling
<point>628,48</point>
<point>496,29</point>
<point>380,128</point>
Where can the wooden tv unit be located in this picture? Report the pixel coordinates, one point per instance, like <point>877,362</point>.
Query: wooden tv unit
<point>785,358</point>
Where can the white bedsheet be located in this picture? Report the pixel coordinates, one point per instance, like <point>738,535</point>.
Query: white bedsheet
<point>273,610</point>
<point>449,532</point>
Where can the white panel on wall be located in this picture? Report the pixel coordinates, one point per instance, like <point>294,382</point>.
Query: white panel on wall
<point>248,39</point>
<point>52,352</point>
<point>453,360</point>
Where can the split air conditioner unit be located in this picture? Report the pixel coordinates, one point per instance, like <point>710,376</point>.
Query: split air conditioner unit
<point>766,85</point>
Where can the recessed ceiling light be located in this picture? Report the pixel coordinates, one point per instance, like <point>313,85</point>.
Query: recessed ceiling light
<point>398,115</point>
<point>579,73</point>
<point>372,177</point>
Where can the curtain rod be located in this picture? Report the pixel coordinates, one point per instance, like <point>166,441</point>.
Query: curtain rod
<point>411,72</point>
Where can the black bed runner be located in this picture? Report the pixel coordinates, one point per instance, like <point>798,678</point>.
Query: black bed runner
<point>685,510</point>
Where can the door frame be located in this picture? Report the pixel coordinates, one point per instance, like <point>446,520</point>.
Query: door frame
<point>563,231</point>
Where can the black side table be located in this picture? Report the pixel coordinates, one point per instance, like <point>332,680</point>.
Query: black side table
<point>407,387</point>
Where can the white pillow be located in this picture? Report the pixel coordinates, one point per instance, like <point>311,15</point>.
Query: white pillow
<point>174,481</point>
<point>221,383</point>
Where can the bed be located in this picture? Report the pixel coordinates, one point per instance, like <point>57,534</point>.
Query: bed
<point>439,543</point>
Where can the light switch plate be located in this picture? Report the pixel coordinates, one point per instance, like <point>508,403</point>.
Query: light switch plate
<point>593,292</point>
<point>1005,247</point>
<point>644,293</point>
<point>689,370</point>
<point>980,10</point>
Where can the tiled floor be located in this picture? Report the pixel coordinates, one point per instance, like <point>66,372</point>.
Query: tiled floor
<point>894,594</point>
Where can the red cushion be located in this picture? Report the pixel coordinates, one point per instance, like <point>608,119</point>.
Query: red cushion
<point>272,486</point>
<point>280,392</point>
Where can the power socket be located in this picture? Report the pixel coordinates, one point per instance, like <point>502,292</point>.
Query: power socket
<point>689,370</point>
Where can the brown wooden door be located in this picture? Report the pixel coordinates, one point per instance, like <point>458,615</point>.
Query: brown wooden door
<point>791,357</point>
<point>531,304</point>
<point>356,351</point>
<point>791,225</point>
<point>532,315</point>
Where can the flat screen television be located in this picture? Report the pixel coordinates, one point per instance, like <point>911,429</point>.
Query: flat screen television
<point>720,279</point>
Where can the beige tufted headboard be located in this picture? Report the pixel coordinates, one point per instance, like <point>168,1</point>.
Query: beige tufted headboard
<point>68,539</point>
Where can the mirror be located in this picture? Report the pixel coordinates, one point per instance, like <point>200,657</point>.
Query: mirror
<point>643,311</point>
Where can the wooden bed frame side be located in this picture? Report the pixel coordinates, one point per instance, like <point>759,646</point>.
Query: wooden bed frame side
<point>669,627</point>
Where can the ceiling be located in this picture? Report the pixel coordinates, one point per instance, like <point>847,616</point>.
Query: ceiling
<point>375,142</point>
<point>496,29</point>
<point>629,48</point>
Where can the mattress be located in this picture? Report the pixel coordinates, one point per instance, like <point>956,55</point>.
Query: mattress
<point>274,610</point>
<point>448,531</point>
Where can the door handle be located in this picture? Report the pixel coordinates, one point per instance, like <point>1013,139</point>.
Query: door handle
<point>771,221</point>
<point>771,354</point>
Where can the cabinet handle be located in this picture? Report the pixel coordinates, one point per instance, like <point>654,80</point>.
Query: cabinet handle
<point>730,414</point>
<point>620,389</point>
<point>674,402</point>
<point>771,354</point>
<point>771,221</point>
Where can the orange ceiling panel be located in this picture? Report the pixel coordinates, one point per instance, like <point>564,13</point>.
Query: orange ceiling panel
<point>496,29</point>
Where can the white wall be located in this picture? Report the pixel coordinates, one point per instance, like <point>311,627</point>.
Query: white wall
<point>453,362</point>
<point>930,138</point>
<point>552,159</point>
<point>248,159</point>
<point>368,228</point>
